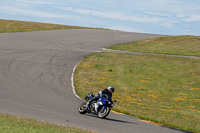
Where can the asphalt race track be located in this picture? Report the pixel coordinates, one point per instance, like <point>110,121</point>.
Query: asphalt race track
<point>35,78</point>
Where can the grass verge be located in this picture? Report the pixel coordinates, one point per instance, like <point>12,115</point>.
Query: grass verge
<point>174,45</point>
<point>12,124</point>
<point>161,89</point>
<point>21,26</point>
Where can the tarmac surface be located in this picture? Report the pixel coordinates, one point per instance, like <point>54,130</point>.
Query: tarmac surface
<point>35,78</point>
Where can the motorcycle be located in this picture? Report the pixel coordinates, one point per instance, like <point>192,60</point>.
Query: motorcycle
<point>100,107</point>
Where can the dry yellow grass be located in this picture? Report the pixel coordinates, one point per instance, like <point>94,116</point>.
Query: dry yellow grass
<point>21,26</point>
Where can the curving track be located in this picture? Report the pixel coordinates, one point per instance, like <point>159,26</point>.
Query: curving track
<point>35,78</point>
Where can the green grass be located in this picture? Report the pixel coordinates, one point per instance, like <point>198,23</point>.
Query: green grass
<point>174,45</point>
<point>22,26</point>
<point>12,124</point>
<point>162,89</point>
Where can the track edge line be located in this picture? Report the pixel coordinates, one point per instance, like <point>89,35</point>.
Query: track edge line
<point>72,82</point>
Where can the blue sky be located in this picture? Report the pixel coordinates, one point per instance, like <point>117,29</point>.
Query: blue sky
<point>168,17</point>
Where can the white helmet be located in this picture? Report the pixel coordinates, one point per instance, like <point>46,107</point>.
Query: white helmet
<point>111,88</point>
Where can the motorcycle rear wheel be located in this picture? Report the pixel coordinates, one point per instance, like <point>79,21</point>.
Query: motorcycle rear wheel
<point>82,108</point>
<point>103,113</point>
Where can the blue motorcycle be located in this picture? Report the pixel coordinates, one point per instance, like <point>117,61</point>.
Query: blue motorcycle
<point>100,107</point>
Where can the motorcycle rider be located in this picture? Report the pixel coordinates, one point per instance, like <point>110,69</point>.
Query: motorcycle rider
<point>105,92</point>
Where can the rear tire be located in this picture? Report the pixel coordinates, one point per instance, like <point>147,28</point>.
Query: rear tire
<point>103,113</point>
<point>82,108</point>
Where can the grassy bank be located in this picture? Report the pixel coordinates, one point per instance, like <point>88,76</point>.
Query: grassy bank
<point>12,124</point>
<point>21,26</point>
<point>174,45</point>
<point>162,89</point>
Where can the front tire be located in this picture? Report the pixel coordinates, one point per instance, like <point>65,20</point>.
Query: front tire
<point>103,113</point>
<point>82,108</point>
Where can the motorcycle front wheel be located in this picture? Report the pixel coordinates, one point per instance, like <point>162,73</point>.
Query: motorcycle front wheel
<point>82,108</point>
<point>103,113</point>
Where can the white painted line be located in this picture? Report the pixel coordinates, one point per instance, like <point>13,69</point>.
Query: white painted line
<point>72,81</point>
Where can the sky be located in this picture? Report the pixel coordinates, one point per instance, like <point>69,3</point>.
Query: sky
<point>167,17</point>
